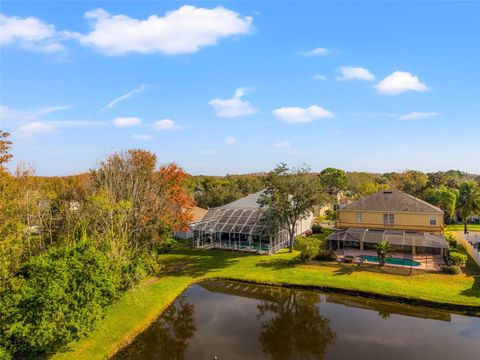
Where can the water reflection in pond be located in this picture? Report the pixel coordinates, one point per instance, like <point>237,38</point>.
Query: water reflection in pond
<point>233,320</point>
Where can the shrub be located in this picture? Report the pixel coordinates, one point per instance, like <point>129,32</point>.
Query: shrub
<point>452,242</point>
<point>166,245</point>
<point>308,247</point>
<point>458,259</point>
<point>325,255</point>
<point>139,266</point>
<point>57,298</point>
<point>317,229</point>
<point>450,269</point>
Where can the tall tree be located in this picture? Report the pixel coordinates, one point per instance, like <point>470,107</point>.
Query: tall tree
<point>150,203</point>
<point>289,197</point>
<point>411,181</point>
<point>468,203</point>
<point>333,181</point>
<point>444,198</point>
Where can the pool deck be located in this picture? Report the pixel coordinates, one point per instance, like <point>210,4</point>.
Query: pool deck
<point>427,261</point>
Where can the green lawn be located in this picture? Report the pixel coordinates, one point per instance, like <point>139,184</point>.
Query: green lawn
<point>183,267</point>
<point>459,227</point>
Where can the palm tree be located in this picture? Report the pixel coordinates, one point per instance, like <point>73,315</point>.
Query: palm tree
<point>384,251</point>
<point>468,202</point>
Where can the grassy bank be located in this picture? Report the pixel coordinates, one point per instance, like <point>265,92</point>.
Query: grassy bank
<point>459,227</point>
<point>141,305</point>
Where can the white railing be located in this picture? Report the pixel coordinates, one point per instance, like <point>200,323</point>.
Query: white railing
<point>474,253</point>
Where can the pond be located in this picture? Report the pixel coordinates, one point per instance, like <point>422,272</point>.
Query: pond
<point>232,320</point>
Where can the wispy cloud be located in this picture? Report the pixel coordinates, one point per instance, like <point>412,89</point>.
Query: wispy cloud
<point>209,152</point>
<point>230,140</point>
<point>16,115</point>
<point>319,77</point>
<point>127,121</point>
<point>142,137</point>
<point>124,97</point>
<point>417,115</point>
<point>355,73</point>
<point>282,144</point>
<point>319,51</point>
<point>165,125</point>
<point>233,107</point>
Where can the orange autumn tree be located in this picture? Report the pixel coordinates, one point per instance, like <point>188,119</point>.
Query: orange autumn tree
<point>178,209</point>
<point>133,204</point>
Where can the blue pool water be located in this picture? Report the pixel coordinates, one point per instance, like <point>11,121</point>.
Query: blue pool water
<point>393,261</point>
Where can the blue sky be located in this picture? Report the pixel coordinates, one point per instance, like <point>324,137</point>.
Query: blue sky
<point>236,87</point>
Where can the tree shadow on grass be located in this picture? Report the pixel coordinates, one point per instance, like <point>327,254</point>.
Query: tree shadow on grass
<point>348,269</point>
<point>474,291</point>
<point>198,262</point>
<point>278,263</point>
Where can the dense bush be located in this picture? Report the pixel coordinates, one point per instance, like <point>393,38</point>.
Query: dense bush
<point>450,269</point>
<point>166,245</point>
<point>56,298</point>
<point>308,247</point>
<point>452,242</point>
<point>317,229</point>
<point>139,266</point>
<point>325,255</point>
<point>458,259</point>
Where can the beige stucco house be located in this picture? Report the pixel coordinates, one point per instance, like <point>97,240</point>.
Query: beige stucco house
<point>411,225</point>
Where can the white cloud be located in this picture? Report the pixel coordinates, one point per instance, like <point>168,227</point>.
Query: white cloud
<point>399,82</point>
<point>319,77</point>
<point>282,144</point>
<point>319,51</point>
<point>181,31</point>
<point>302,115</point>
<point>124,97</point>
<point>32,128</point>
<point>165,124</point>
<point>355,73</point>
<point>29,33</point>
<point>417,115</point>
<point>127,121</point>
<point>209,151</point>
<point>9,114</point>
<point>141,137</point>
<point>230,140</point>
<point>233,107</point>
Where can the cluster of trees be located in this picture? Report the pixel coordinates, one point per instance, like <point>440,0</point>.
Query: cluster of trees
<point>70,246</point>
<point>213,191</point>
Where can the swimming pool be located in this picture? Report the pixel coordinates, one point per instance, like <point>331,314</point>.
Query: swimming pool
<point>393,261</point>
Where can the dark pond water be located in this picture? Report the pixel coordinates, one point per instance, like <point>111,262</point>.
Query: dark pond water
<point>233,320</point>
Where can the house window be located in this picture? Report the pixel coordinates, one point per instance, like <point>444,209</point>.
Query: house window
<point>359,217</point>
<point>433,220</point>
<point>388,219</point>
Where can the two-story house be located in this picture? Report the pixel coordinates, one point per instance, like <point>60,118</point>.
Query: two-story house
<point>409,224</point>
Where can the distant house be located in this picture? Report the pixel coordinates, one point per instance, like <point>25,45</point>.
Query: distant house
<point>198,215</point>
<point>410,224</point>
<point>241,225</point>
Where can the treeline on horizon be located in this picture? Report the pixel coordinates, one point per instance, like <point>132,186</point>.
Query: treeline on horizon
<point>70,246</point>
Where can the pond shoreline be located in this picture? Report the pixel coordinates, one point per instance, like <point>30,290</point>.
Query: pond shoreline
<point>469,310</point>
<point>142,305</point>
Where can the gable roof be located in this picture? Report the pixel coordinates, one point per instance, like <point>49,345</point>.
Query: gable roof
<point>198,214</point>
<point>393,200</point>
<point>247,202</point>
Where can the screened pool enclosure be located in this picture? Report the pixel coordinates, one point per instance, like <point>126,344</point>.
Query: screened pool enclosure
<point>426,249</point>
<point>241,225</point>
